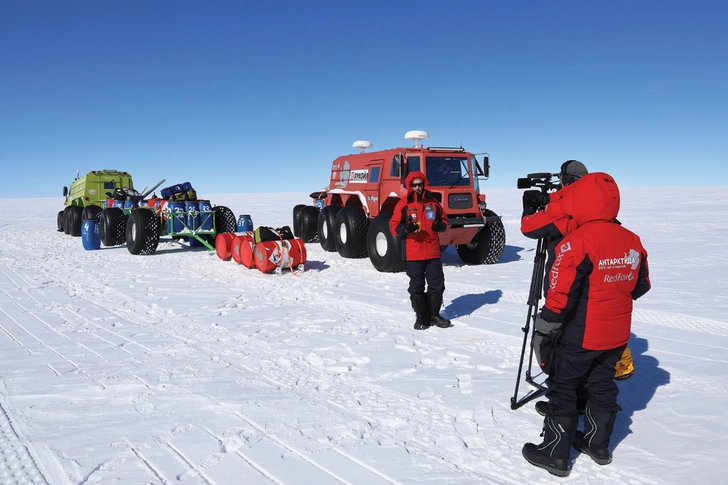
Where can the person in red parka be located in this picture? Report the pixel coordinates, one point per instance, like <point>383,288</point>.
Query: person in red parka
<point>597,272</point>
<point>417,219</point>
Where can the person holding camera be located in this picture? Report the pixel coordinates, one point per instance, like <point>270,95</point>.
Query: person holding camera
<point>417,219</point>
<point>598,269</point>
<point>544,217</point>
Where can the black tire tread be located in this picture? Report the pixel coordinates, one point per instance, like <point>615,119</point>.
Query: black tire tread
<point>309,224</point>
<point>488,244</point>
<point>392,261</point>
<point>327,217</point>
<point>358,225</point>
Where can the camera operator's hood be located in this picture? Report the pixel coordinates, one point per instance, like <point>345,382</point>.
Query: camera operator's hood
<point>594,197</point>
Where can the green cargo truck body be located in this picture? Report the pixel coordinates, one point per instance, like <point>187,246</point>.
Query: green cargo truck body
<point>92,188</point>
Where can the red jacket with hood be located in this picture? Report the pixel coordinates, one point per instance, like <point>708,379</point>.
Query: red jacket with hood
<point>598,270</point>
<point>425,243</point>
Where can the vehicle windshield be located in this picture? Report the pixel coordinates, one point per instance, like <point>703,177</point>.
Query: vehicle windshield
<point>447,171</point>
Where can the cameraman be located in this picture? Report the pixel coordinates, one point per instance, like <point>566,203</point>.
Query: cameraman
<point>417,220</point>
<point>599,269</point>
<point>544,217</point>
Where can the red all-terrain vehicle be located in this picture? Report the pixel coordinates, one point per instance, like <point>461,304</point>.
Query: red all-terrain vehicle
<point>352,215</point>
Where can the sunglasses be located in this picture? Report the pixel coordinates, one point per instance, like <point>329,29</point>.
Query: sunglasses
<point>421,184</point>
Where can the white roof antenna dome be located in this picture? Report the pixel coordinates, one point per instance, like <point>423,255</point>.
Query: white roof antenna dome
<point>362,144</point>
<point>416,136</point>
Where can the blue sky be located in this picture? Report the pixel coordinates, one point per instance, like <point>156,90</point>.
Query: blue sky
<point>261,96</point>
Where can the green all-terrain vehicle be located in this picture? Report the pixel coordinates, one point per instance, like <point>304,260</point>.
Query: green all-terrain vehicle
<point>87,195</point>
<point>125,215</point>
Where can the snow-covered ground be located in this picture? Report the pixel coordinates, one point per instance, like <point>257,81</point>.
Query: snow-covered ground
<point>181,367</point>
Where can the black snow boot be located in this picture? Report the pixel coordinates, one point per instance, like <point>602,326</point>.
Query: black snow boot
<point>594,440</point>
<point>419,305</point>
<point>435,302</point>
<point>553,453</point>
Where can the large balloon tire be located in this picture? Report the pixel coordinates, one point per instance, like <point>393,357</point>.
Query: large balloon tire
<point>75,219</point>
<point>297,219</point>
<point>67,220</point>
<point>350,232</point>
<point>384,248</point>
<point>91,213</point>
<point>309,224</point>
<point>59,221</point>
<point>142,232</point>
<point>487,245</point>
<point>112,226</point>
<point>326,227</point>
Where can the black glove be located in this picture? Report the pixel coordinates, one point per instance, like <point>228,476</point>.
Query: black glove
<point>534,199</point>
<point>439,226</point>
<point>546,340</point>
<point>411,227</point>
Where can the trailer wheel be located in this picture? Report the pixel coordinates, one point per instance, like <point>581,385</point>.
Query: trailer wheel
<point>224,222</point>
<point>297,219</point>
<point>385,252</point>
<point>224,219</point>
<point>59,221</point>
<point>309,224</point>
<point>326,227</point>
<point>74,216</point>
<point>142,232</point>
<point>91,213</point>
<point>112,226</point>
<point>350,232</point>
<point>487,245</point>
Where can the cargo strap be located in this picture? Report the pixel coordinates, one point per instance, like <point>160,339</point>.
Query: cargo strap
<point>284,244</point>
<point>298,243</point>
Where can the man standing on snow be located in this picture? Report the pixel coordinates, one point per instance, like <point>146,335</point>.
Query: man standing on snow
<point>417,219</point>
<point>598,270</point>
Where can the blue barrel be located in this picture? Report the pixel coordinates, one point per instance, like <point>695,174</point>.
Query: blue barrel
<point>206,215</point>
<point>119,204</point>
<point>193,215</point>
<point>128,204</point>
<point>245,223</point>
<point>90,235</point>
<point>175,219</point>
<point>194,243</point>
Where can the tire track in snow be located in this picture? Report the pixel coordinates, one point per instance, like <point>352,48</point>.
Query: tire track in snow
<point>18,464</point>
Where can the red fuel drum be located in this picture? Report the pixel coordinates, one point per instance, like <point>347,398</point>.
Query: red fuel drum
<point>246,251</point>
<point>224,245</point>
<point>236,249</point>
<point>288,253</point>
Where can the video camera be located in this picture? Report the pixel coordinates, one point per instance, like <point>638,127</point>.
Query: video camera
<point>541,180</point>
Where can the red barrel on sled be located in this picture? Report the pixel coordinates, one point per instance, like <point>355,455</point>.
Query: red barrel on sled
<point>237,240</point>
<point>224,245</point>
<point>288,253</point>
<point>241,247</point>
<point>246,251</point>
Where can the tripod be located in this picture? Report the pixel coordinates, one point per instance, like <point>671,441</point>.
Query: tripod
<point>534,295</point>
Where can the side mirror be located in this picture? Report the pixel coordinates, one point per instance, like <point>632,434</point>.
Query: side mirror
<point>485,170</point>
<point>65,191</point>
